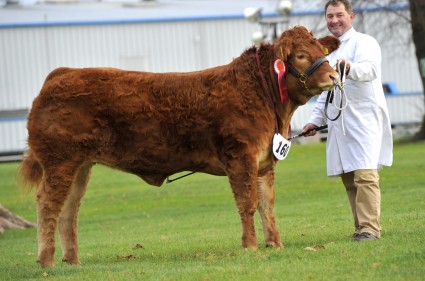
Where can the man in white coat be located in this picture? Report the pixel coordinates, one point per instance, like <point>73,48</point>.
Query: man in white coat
<point>360,141</point>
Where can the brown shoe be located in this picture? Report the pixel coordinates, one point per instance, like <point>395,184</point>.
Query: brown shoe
<point>365,236</point>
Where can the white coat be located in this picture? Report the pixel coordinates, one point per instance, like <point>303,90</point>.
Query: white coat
<point>361,138</point>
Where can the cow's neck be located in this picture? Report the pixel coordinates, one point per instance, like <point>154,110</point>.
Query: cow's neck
<point>284,113</point>
<point>270,87</point>
<point>285,110</point>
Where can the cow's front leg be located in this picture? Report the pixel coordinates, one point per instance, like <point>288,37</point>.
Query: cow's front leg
<point>265,187</point>
<point>243,178</point>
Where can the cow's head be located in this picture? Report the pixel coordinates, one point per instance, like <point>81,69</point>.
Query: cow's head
<point>301,50</point>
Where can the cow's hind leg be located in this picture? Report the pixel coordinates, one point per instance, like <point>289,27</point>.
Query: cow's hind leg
<point>242,177</point>
<point>68,218</point>
<point>265,186</point>
<point>51,195</point>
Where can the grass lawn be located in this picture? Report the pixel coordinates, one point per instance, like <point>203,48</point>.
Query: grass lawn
<point>190,229</point>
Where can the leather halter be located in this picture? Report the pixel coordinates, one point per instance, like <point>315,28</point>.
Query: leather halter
<point>309,71</point>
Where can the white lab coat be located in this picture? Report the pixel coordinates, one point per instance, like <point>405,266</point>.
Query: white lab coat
<point>361,138</point>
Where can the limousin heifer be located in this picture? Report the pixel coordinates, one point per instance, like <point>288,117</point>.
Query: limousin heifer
<point>219,121</point>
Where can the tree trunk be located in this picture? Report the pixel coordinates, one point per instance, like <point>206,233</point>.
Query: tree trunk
<point>8,220</point>
<point>420,135</point>
<point>417,10</point>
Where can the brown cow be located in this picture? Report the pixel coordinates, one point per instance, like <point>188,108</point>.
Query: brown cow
<point>219,121</point>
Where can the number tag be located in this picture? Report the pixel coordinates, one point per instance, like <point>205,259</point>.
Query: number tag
<point>281,146</point>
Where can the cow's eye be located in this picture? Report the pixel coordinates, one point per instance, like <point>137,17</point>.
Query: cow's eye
<point>300,56</point>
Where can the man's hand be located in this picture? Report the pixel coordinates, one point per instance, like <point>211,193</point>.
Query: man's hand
<point>347,65</point>
<point>311,127</point>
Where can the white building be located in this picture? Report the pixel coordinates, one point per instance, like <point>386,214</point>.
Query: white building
<point>159,36</point>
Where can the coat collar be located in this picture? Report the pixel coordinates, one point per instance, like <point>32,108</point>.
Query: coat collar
<point>347,35</point>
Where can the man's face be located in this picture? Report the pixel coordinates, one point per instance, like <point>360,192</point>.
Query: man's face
<point>338,20</point>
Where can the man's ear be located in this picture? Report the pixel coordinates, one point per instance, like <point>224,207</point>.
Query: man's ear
<point>329,43</point>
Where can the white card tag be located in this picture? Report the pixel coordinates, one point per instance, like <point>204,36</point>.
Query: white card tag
<point>281,146</point>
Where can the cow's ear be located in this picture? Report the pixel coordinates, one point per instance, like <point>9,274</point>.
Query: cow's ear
<point>329,43</point>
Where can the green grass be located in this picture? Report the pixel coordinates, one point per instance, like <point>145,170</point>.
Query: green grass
<point>190,229</point>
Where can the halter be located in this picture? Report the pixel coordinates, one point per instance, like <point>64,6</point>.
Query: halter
<point>309,71</point>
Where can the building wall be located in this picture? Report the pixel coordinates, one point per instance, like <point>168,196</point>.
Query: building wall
<point>29,53</point>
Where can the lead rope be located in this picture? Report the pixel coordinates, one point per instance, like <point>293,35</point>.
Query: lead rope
<point>341,69</point>
<point>185,175</point>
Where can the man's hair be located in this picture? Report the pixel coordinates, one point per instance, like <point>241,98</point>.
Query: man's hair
<point>346,3</point>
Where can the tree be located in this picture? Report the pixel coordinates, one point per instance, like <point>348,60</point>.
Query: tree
<point>417,11</point>
<point>417,24</point>
<point>8,220</point>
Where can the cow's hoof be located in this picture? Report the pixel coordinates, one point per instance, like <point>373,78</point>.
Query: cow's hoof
<point>276,245</point>
<point>45,264</point>
<point>70,260</point>
<point>250,247</point>
<point>46,258</point>
<point>249,243</point>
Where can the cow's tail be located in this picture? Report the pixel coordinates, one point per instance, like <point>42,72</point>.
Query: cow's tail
<point>31,171</point>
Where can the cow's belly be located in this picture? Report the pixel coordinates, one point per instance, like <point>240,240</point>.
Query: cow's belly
<point>155,173</point>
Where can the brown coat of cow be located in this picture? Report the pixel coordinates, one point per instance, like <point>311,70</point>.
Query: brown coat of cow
<point>218,121</point>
